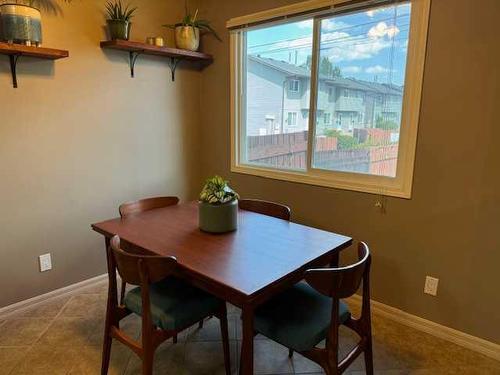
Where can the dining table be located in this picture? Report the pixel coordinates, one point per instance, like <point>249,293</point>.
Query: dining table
<point>246,267</point>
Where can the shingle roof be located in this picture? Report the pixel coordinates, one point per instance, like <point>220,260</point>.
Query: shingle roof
<point>300,71</point>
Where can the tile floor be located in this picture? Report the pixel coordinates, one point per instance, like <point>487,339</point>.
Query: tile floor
<point>64,337</point>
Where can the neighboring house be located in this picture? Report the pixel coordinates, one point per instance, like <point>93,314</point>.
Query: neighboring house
<point>278,100</point>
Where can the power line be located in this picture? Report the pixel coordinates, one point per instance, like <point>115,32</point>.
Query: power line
<point>325,45</point>
<point>333,31</point>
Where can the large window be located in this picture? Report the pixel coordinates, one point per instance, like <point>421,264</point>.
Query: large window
<point>342,88</point>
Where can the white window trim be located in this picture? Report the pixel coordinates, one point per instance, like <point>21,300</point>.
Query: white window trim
<point>401,185</point>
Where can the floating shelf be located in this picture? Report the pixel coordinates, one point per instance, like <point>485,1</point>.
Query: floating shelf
<point>175,55</point>
<point>14,51</point>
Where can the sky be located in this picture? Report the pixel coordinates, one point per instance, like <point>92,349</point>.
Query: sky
<point>368,45</point>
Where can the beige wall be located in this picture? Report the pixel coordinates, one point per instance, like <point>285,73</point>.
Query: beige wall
<point>449,228</point>
<point>80,136</point>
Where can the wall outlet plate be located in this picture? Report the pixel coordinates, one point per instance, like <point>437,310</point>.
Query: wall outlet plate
<point>45,262</point>
<point>431,286</point>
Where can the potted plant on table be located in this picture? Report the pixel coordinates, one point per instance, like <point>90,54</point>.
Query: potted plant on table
<point>187,32</point>
<point>21,20</point>
<point>118,19</point>
<point>218,206</point>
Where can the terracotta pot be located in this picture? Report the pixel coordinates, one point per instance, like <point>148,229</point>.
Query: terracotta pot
<point>119,29</point>
<point>187,37</point>
<point>20,24</point>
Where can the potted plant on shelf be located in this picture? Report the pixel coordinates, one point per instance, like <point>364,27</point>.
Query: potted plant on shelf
<point>218,206</point>
<point>187,32</point>
<point>118,20</point>
<point>21,20</point>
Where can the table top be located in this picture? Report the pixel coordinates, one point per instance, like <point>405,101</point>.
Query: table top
<point>261,252</point>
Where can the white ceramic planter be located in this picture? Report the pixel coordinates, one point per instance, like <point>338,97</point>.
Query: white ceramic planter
<point>187,37</point>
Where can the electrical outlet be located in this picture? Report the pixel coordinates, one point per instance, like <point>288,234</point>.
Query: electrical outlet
<point>431,286</point>
<point>45,262</point>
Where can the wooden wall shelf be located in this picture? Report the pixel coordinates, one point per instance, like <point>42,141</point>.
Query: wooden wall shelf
<point>175,55</point>
<point>14,51</point>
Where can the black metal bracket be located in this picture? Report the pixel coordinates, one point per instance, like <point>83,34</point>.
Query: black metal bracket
<point>133,55</point>
<point>13,68</point>
<point>174,63</point>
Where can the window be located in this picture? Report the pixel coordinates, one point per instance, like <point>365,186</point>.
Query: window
<point>361,139</point>
<point>294,85</point>
<point>292,119</point>
<point>327,118</point>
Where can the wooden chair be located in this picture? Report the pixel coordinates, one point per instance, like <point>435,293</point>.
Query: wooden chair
<point>167,305</point>
<point>135,207</point>
<point>304,315</point>
<point>142,205</point>
<point>277,210</point>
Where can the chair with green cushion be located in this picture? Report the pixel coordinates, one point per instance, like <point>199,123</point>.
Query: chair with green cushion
<point>166,304</point>
<point>130,209</point>
<point>308,313</point>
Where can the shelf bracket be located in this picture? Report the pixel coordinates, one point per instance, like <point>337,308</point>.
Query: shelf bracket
<point>133,55</point>
<point>174,63</point>
<point>13,68</point>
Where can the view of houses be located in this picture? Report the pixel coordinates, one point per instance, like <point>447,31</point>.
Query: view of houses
<point>357,122</point>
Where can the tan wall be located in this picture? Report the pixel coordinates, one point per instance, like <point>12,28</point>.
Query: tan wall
<point>449,228</point>
<point>80,136</point>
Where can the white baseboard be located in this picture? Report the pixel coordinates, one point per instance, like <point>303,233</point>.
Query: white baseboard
<point>465,340</point>
<point>67,290</point>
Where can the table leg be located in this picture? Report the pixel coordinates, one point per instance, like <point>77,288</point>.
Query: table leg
<point>334,262</point>
<point>246,367</point>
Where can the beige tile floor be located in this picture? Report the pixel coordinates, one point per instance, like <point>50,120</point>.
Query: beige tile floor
<point>64,336</point>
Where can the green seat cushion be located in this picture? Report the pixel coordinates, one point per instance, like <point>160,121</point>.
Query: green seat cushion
<point>175,304</point>
<point>298,318</point>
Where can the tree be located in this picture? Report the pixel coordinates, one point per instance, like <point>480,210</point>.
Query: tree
<point>380,123</point>
<point>326,67</point>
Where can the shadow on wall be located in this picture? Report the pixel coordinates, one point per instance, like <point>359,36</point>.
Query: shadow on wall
<point>28,66</point>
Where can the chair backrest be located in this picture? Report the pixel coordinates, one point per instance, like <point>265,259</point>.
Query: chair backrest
<point>134,269</point>
<point>277,210</point>
<point>342,282</point>
<point>142,205</point>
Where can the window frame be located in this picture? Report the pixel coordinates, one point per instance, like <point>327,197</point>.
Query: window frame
<point>296,82</point>
<point>294,116</point>
<point>399,186</point>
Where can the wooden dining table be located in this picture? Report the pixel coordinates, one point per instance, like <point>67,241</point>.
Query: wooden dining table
<point>264,256</point>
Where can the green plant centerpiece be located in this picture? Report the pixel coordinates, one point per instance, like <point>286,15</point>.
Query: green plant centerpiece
<point>218,206</point>
<point>118,19</point>
<point>187,32</point>
<point>21,20</point>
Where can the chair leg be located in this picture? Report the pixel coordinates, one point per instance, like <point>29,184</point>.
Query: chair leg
<point>290,353</point>
<point>225,339</point>
<point>106,352</point>
<point>200,324</point>
<point>122,293</point>
<point>369,356</point>
<point>147,362</point>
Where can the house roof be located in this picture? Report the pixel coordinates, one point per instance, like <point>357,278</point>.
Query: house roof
<point>352,83</point>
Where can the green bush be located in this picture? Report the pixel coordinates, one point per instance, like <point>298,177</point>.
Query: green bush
<point>344,142</point>
<point>386,124</point>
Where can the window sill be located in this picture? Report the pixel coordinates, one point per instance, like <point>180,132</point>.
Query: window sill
<point>345,181</point>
